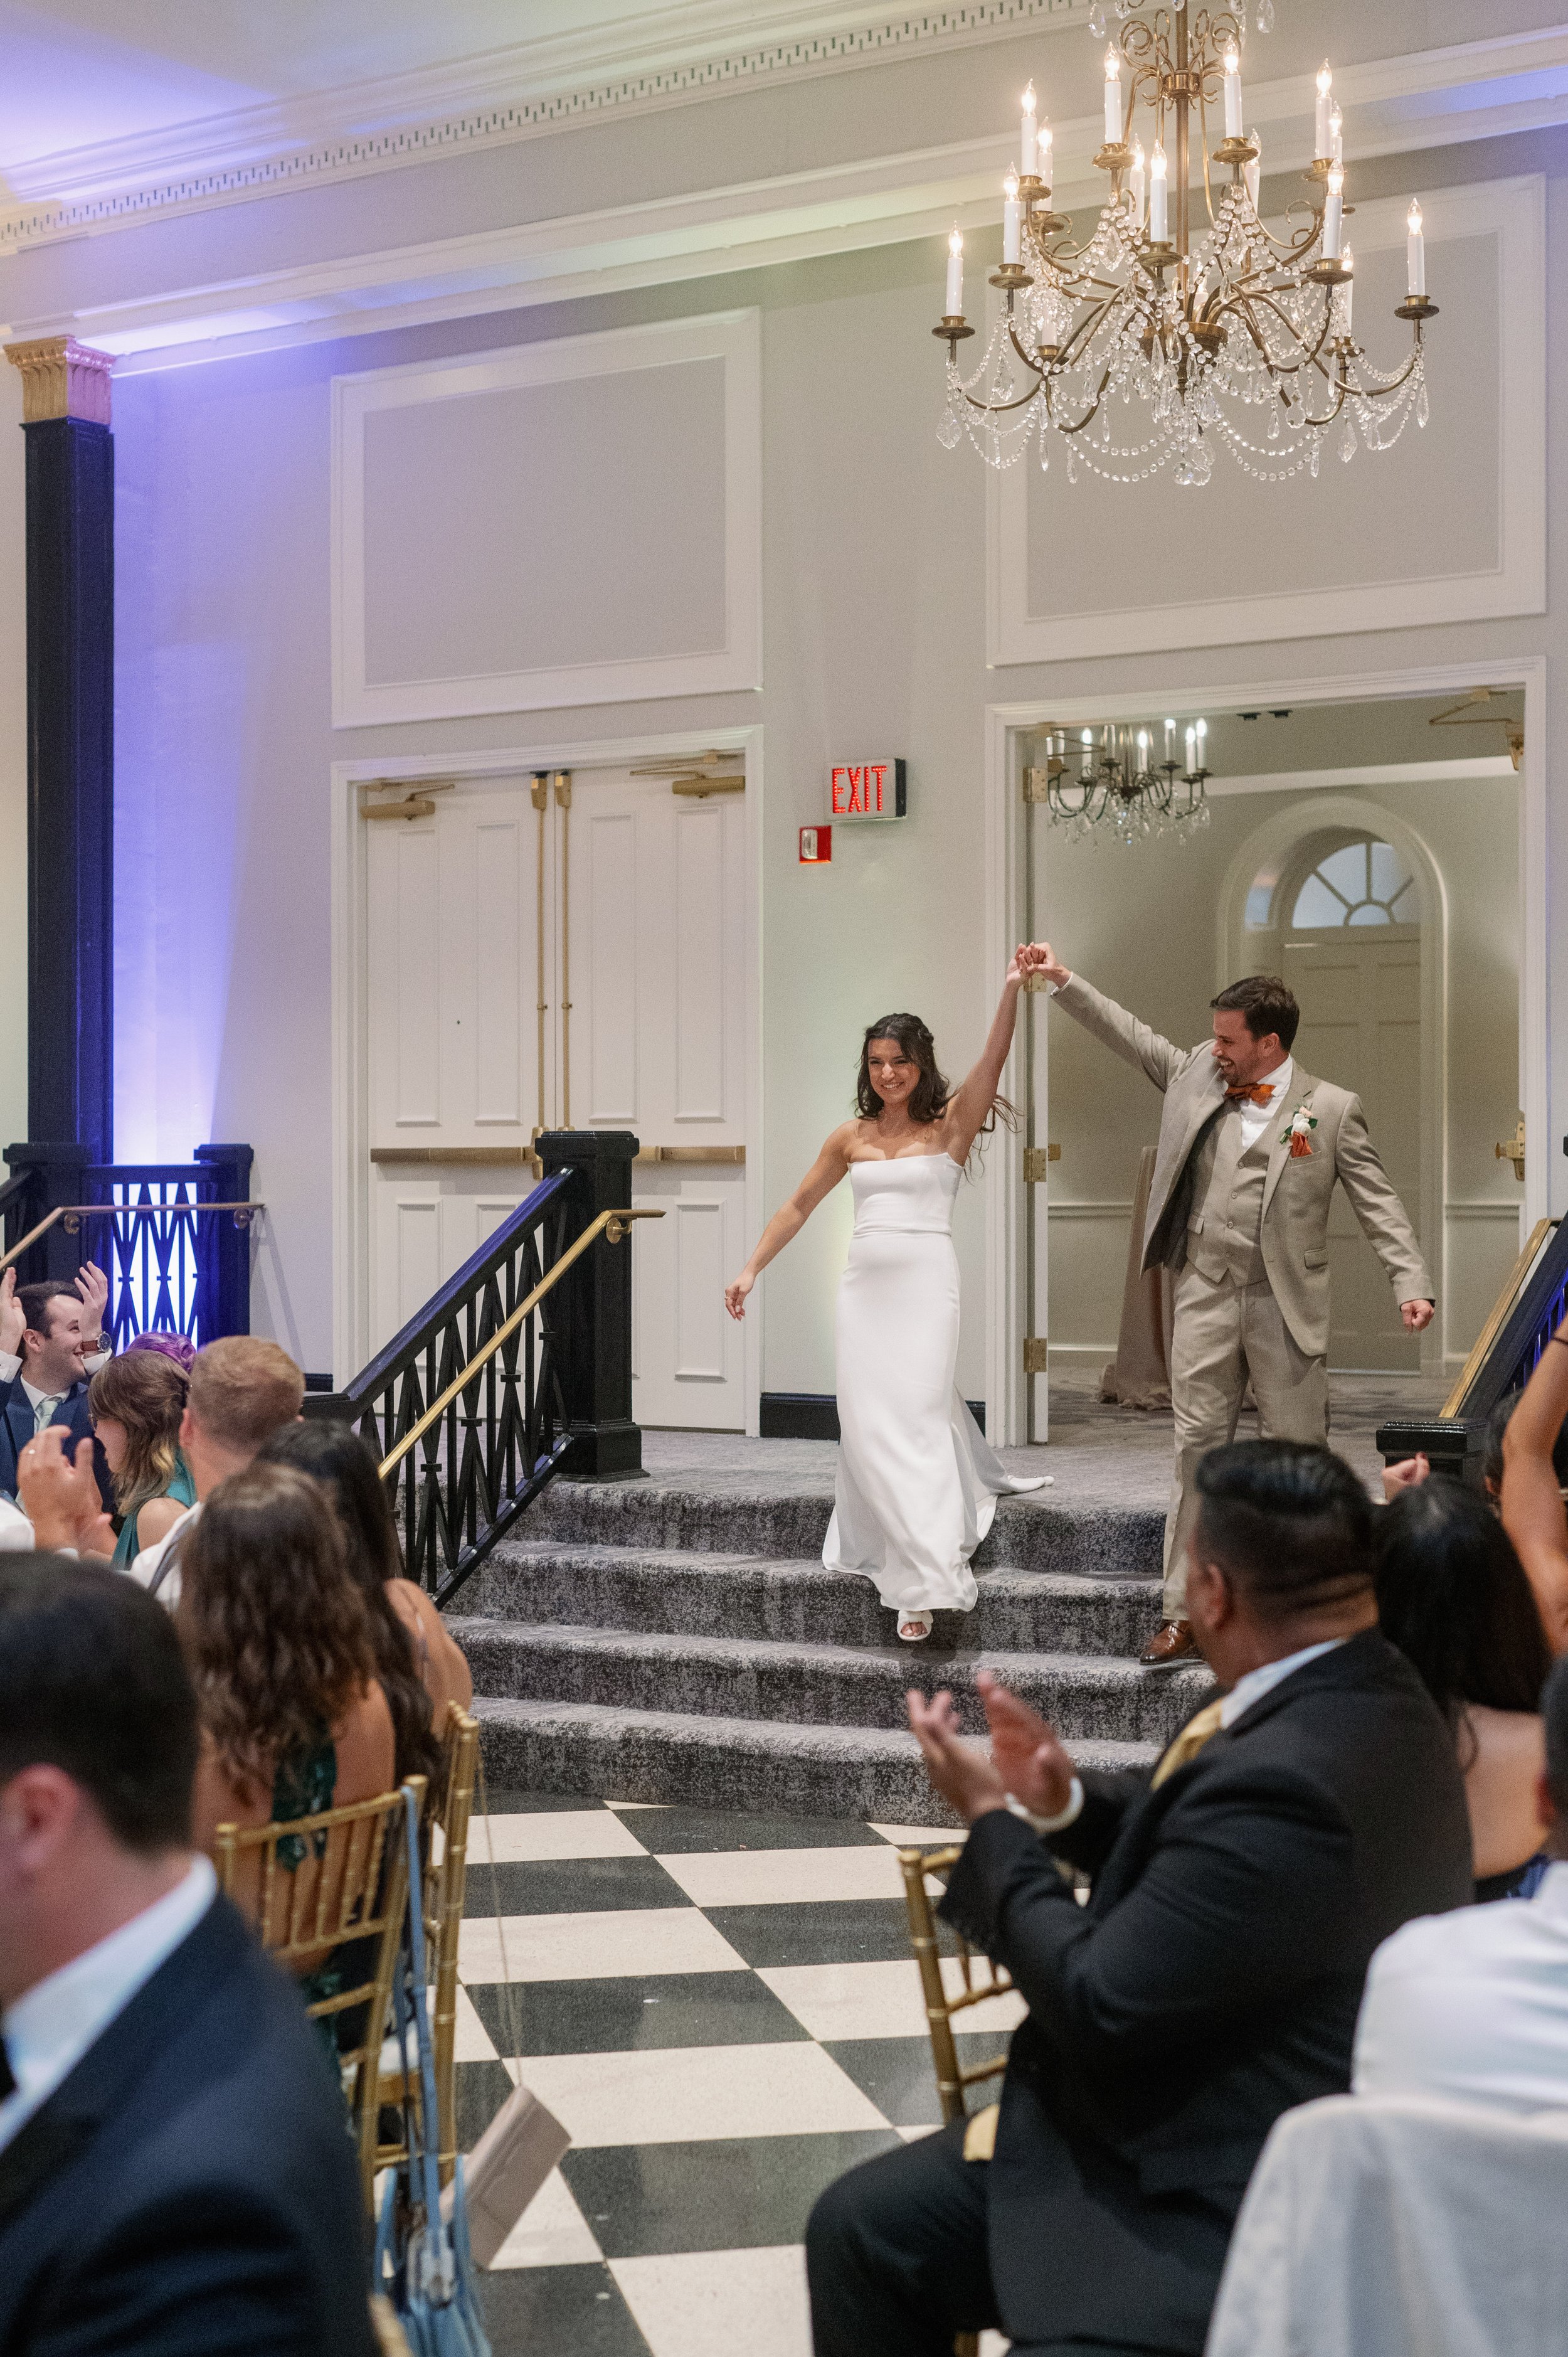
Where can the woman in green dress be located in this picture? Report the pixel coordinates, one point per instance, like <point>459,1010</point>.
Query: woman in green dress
<point>136,1401</point>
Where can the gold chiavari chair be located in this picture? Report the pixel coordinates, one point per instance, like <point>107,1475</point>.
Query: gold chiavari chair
<point>953,2081</point>
<point>314,1886</point>
<point>445,1884</point>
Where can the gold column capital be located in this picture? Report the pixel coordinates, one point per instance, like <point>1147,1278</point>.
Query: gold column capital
<point>61,378</point>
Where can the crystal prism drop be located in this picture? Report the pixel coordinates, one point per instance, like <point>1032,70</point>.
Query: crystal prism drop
<point>1265,15</point>
<point>1422,406</point>
<point>1347,443</point>
<point>1317,454</point>
<point>1096,21</point>
<point>948,432</point>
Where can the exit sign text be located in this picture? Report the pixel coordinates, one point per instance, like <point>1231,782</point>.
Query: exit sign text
<point>873,789</point>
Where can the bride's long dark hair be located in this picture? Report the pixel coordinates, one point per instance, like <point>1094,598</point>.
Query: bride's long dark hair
<point>932,1092</point>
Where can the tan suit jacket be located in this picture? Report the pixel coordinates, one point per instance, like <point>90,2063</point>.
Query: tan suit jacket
<point>1296,1192</point>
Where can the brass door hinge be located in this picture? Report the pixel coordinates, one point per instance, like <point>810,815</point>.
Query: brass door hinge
<point>1512,1150</point>
<point>1035,1354</point>
<point>1036,1162</point>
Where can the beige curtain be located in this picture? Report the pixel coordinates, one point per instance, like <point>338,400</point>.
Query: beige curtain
<point>1139,1375</point>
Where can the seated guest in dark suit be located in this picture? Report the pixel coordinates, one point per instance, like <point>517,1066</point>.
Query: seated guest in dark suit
<point>1213,1978</point>
<point>51,1344</point>
<point>174,2176</point>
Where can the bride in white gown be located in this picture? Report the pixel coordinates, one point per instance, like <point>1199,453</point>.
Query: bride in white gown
<point>917,1484</point>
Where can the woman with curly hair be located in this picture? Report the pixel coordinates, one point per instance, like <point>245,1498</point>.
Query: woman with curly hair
<point>136,1401</point>
<point>277,1636</point>
<point>917,1485</point>
<point>420,1668</point>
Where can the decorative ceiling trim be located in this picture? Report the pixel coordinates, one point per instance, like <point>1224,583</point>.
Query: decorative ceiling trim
<point>1418,103</point>
<point>514,94</point>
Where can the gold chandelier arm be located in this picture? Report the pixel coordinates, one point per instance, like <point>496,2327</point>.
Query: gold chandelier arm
<point>1033,365</point>
<point>1385,392</point>
<point>1090,414</point>
<point>1000,408</point>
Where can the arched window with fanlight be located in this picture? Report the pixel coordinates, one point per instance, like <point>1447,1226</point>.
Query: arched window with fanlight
<point>1363,883</point>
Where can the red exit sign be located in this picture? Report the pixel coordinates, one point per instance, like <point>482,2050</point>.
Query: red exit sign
<point>867,790</point>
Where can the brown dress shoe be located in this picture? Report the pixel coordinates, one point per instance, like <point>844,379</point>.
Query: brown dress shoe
<point>1170,1645</point>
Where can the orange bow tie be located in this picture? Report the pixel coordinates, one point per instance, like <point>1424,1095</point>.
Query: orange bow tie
<point>1256,1092</point>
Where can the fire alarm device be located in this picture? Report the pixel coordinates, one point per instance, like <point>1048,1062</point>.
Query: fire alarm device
<point>867,790</point>
<point>816,846</point>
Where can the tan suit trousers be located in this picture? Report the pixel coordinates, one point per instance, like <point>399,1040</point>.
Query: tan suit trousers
<point>1223,1334</point>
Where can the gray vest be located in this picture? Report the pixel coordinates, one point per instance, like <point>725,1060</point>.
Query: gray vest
<point>1224,1234</point>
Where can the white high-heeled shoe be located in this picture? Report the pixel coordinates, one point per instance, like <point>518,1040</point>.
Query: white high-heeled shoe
<point>914,1627</point>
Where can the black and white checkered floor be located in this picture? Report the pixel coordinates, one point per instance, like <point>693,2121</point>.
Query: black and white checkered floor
<point>723,2012</point>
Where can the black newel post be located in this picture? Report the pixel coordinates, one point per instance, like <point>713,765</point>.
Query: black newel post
<point>590,1309</point>
<point>223,1249</point>
<point>71,745</point>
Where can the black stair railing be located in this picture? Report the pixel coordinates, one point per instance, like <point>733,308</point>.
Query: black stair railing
<point>518,1369</point>
<point>173,1237</point>
<point>1525,1316</point>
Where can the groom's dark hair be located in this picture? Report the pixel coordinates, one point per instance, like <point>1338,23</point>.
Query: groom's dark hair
<point>1268,1004</point>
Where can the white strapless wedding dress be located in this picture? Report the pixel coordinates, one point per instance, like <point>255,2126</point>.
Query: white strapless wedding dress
<point>918,1483</point>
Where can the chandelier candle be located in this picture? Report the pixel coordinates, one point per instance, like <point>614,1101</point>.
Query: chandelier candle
<point>1112,98</point>
<point>955,274</point>
<point>1347,293</point>
<point>1253,173</point>
<point>1135,182</point>
<point>1012,222</point>
<point>1232,93</point>
<point>1334,214</point>
<point>1159,226</point>
<point>1026,146</point>
<point>1325,86</point>
<point>1043,157</point>
<point>1335,136</point>
<point>1415,254</point>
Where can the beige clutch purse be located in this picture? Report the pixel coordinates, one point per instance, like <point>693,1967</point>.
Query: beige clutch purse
<point>506,2169</point>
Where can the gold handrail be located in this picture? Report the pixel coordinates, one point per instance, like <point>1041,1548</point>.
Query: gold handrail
<point>1501,1308</point>
<point>615,1225</point>
<point>74,1214</point>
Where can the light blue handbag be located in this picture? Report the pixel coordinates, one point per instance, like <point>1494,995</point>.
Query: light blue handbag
<point>423,2263</point>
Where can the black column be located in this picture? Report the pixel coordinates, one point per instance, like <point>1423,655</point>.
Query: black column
<point>593,1320</point>
<point>71,744</point>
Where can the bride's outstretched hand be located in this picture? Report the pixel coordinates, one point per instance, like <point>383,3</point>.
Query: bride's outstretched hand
<point>735,1295</point>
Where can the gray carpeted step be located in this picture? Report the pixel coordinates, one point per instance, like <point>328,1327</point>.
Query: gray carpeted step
<point>817,1685</point>
<point>1033,1534</point>
<point>685,1591</point>
<point>724,1763</point>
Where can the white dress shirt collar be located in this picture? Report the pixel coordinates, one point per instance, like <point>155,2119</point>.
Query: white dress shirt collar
<point>49,2030</point>
<point>1258,1683</point>
<point>1255,1118</point>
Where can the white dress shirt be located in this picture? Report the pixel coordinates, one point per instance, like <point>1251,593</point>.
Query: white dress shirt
<point>15,1530</point>
<point>1258,1683</point>
<point>1255,1118</point>
<point>1473,2006</point>
<point>49,2030</point>
<point>144,1566</point>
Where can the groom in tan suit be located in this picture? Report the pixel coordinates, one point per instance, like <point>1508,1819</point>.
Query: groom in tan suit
<point>1250,1147</point>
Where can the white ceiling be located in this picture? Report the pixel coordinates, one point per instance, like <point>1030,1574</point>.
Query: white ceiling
<point>82,72</point>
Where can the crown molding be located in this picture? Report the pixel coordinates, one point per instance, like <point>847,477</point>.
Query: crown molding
<point>1432,100</point>
<point>665,57</point>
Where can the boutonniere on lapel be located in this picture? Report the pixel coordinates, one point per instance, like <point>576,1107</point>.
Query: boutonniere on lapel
<point>1302,1124</point>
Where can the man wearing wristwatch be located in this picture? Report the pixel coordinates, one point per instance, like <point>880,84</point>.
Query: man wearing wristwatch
<point>52,1345</point>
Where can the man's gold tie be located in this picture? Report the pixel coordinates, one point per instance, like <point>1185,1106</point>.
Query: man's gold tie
<point>1188,1743</point>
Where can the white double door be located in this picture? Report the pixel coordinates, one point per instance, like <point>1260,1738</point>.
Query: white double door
<point>565,951</point>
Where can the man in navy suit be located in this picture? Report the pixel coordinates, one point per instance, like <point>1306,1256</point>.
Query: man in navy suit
<point>51,1344</point>
<point>175,2174</point>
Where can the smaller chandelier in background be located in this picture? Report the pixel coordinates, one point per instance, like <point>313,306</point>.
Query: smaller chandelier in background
<point>1222,334</point>
<point>1106,781</point>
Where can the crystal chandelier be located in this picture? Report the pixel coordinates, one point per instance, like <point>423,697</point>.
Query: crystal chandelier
<point>1221,331</point>
<point>1116,788</point>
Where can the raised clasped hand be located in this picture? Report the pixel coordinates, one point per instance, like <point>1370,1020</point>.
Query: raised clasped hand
<point>962,1773</point>
<point>1027,1753</point>
<point>59,1496</point>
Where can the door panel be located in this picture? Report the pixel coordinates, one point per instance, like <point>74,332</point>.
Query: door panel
<point>1360,999</point>
<point>643,977</point>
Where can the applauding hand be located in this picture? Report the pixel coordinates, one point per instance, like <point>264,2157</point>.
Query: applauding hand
<point>59,1495</point>
<point>962,1773</point>
<point>1028,1752</point>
